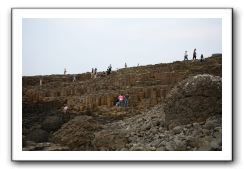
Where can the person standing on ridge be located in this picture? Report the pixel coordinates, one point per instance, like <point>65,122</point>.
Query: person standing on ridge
<point>65,71</point>
<point>125,65</point>
<point>95,73</point>
<point>40,81</point>
<point>109,69</point>
<point>185,56</point>
<point>194,54</point>
<point>201,57</point>
<point>92,72</point>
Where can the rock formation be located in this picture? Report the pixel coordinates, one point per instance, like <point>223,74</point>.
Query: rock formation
<point>175,106</point>
<point>194,100</point>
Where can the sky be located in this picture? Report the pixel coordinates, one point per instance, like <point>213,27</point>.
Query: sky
<point>50,45</point>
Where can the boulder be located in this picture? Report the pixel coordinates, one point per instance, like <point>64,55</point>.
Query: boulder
<point>52,123</point>
<point>78,133</point>
<point>110,140</point>
<point>194,99</point>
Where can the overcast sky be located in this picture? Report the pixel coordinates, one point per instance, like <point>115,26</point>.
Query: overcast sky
<point>50,45</point>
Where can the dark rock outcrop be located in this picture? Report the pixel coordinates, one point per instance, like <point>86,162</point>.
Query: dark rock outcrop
<point>52,123</point>
<point>78,133</point>
<point>193,100</point>
<point>38,136</point>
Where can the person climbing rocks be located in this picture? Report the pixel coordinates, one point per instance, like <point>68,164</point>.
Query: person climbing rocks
<point>66,114</point>
<point>194,54</point>
<point>65,71</point>
<point>65,110</point>
<point>201,58</point>
<point>121,100</point>
<point>185,56</point>
<point>126,100</point>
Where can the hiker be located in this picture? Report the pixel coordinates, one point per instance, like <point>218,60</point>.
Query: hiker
<point>201,58</point>
<point>92,73</point>
<point>65,109</point>
<point>194,54</point>
<point>185,56</point>
<point>126,100</point>
<point>121,100</point>
<point>74,78</point>
<point>125,65</point>
<point>109,69</point>
<point>95,73</point>
<point>66,114</point>
<point>40,82</point>
<point>65,71</point>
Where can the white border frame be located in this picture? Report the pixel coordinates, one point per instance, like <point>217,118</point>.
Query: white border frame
<point>18,155</point>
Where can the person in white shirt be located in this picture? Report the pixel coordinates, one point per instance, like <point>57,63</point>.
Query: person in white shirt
<point>66,109</point>
<point>185,56</point>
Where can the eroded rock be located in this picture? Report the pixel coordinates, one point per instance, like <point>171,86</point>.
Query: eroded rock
<point>193,100</point>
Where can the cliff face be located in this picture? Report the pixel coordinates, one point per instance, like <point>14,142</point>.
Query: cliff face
<point>147,86</point>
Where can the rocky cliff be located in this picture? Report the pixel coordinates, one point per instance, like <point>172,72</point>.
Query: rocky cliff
<point>162,98</point>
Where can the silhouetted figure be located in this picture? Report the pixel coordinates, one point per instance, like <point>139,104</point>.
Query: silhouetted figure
<point>95,73</point>
<point>185,56</point>
<point>125,65</point>
<point>109,69</point>
<point>194,54</point>
<point>201,57</point>
<point>92,73</point>
<point>65,71</point>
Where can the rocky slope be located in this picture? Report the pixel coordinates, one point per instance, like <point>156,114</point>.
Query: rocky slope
<point>174,106</point>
